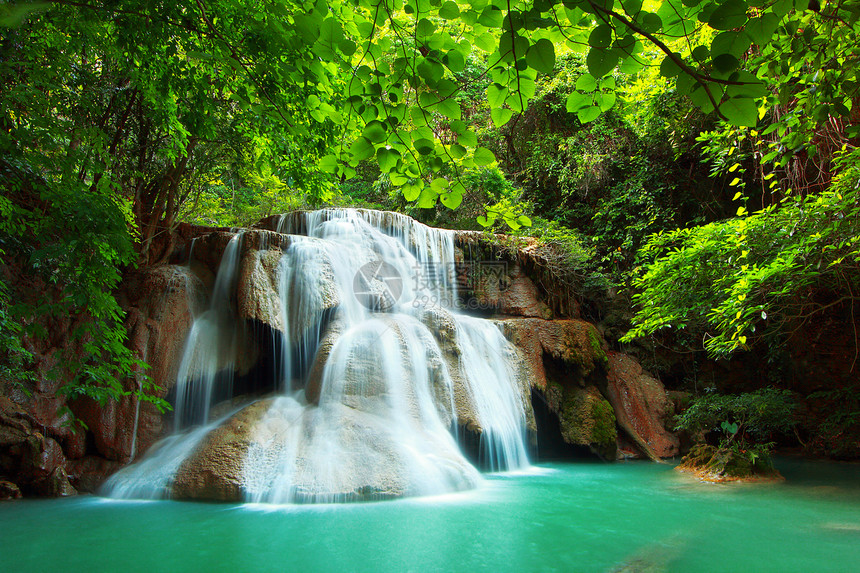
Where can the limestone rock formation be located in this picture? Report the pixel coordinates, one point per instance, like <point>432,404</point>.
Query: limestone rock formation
<point>513,276</point>
<point>161,310</point>
<point>575,344</point>
<point>641,406</point>
<point>564,360</point>
<point>33,461</point>
<point>215,471</point>
<point>9,490</point>
<point>257,292</point>
<point>587,419</point>
<point>367,466</point>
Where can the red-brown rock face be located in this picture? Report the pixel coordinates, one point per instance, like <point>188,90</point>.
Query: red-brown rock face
<point>158,319</point>
<point>641,406</point>
<point>575,344</point>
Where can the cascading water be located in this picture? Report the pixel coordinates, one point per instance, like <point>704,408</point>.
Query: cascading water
<point>375,368</point>
<point>210,353</point>
<point>207,362</point>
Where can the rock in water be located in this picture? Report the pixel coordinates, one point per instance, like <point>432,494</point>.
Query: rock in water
<point>641,405</point>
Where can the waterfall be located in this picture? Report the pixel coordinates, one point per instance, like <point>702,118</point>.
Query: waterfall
<point>376,368</point>
<point>487,366</point>
<point>210,351</point>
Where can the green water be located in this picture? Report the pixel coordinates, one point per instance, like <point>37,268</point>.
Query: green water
<point>633,516</point>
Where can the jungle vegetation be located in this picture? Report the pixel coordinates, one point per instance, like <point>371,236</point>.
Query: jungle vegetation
<point>697,155</point>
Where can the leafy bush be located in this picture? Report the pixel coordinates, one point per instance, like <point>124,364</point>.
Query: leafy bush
<point>755,277</point>
<point>743,420</point>
<point>834,422</point>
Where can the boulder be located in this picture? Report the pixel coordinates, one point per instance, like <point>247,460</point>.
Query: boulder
<point>55,484</point>
<point>33,460</point>
<point>214,471</point>
<point>89,472</point>
<point>587,419</point>
<point>257,289</point>
<point>641,406</point>
<point>575,344</point>
<point>9,490</point>
<point>713,464</point>
<point>279,450</point>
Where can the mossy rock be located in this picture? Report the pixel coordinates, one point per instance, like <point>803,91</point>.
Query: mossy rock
<point>587,419</point>
<point>599,356</point>
<point>723,464</point>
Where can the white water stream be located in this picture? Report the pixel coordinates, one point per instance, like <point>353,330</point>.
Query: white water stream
<point>372,358</point>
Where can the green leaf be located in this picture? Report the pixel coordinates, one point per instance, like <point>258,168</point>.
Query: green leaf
<point>677,20</point>
<point>524,221</point>
<point>455,61</point>
<point>425,146</point>
<point>600,37</point>
<point>458,127</point>
<point>427,199</point>
<point>485,221</point>
<point>512,223</point>
<point>387,159</point>
<point>740,111</point>
<point>500,115</point>
<point>362,149</point>
<point>451,200</point>
<point>684,84</point>
<point>424,28</point>
<point>541,56</point>
<point>588,114</point>
<point>649,22</point>
<point>457,151</point>
<point>449,10</point>
<point>347,47</point>
<point>701,53</point>
<point>398,180</point>
<point>375,132</point>
<point>734,43</point>
<point>726,63</point>
<point>450,108</point>
<point>586,83</point>
<point>761,30</point>
<point>491,17</point>
<point>699,97</point>
<point>484,156</point>
<point>731,14</point>
<point>439,184</point>
<point>631,65</point>
<point>329,164</point>
<point>576,101</point>
<point>631,7</point>
<point>752,86</point>
<point>496,95</point>
<point>601,61</point>
<point>606,101</point>
<point>668,67</point>
<point>411,191</point>
<point>468,139</point>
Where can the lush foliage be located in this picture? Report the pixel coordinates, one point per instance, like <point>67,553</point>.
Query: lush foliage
<point>741,419</point>
<point>757,276</point>
<point>833,422</point>
<point>617,179</point>
<point>121,117</point>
